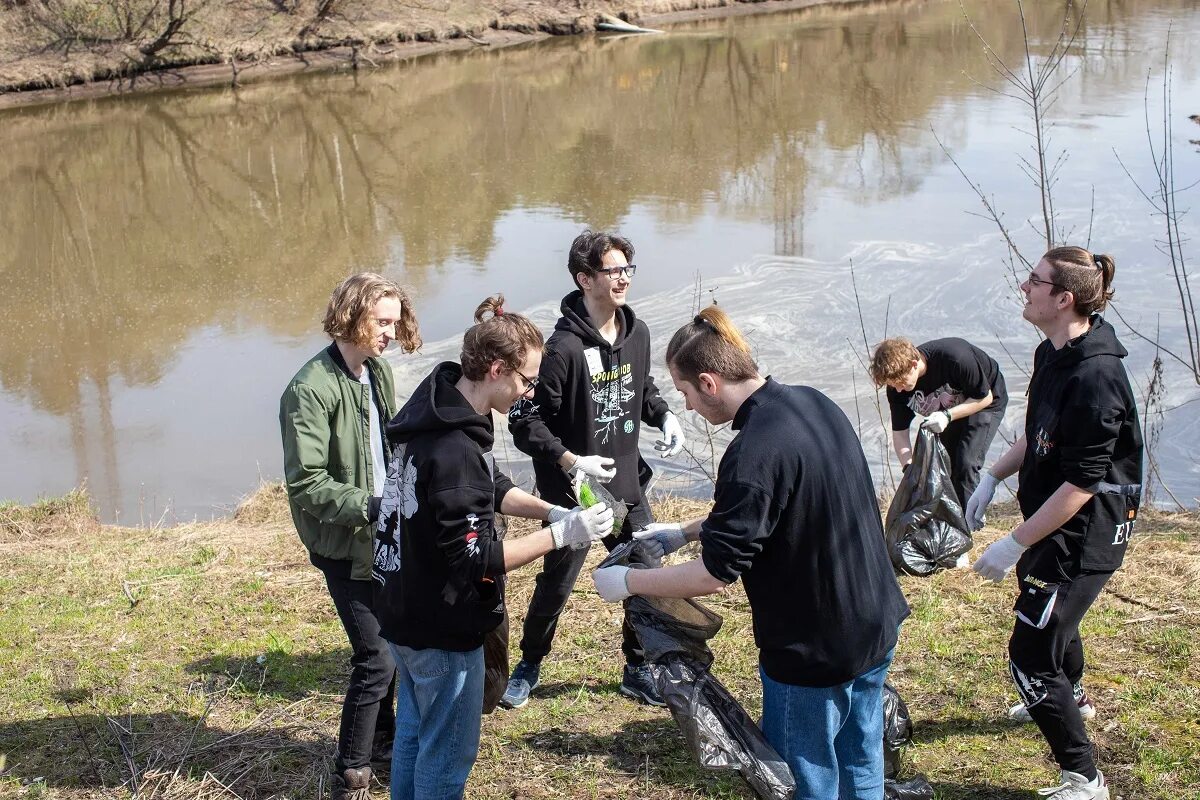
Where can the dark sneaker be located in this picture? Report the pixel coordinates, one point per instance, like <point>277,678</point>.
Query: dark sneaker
<point>638,682</point>
<point>523,681</point>
<point>352,784</point>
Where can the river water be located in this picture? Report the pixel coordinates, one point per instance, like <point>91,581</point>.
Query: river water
<point>166,258</point>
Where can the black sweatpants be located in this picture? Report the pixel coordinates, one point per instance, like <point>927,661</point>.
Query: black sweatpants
<point>368,723</point>
<point>967,442</point>
<point>552,589</point>
<point>1045,652</point>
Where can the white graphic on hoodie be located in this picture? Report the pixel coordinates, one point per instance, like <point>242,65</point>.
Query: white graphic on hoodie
<point>611,394</point>
<point>399,500</point>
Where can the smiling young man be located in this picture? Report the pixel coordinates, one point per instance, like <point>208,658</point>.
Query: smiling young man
<point>959,391</point>
<point>1079,488</point>
<point>594,392</point>
<point>334,461</point>
<point>795,518</point>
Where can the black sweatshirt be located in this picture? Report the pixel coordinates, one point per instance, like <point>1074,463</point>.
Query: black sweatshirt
<point>437,555</point>
<point>1081,427</point>
<point>955,371</point>
<point>590,404</point>
<point>796,518</point>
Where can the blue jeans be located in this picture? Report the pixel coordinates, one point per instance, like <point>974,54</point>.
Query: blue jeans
<point>832,738</point>
<point>439,709</point>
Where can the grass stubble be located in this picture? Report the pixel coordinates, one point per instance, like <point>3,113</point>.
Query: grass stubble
<point>205,661</point>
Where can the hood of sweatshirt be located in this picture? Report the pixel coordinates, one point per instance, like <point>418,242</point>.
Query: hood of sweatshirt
<point>1100,340</point>
<point>575,319</point>
<point>438,405</point>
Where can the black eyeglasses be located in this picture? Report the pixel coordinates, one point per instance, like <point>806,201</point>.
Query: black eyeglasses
<point>531,383</point>
<point>613,272</point>
<point>1034,280</point>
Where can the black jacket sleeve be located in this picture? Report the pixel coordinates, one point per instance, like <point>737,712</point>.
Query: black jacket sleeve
<point>1088,429</point>
<point>654,408</point>
<point>527,420</point>
<point>463,511</point>
<point>742,518</point>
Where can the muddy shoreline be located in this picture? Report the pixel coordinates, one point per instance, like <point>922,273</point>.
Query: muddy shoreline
<point>234,72</point>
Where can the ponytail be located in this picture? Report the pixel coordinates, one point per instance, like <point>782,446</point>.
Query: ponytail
<point>711,343</point>
<point>1087,277</point>
<point>497,335</point>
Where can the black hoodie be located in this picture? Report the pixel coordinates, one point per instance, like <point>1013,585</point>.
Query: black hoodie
<point>1081,427</point>
<point>438,560</point>
<point>590,405</point>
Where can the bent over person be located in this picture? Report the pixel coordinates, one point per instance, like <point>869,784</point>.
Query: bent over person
<point>585,416</point>
<point>438,561</point>
<point>795,518</point>
<point>1079,488</point>
<point>959,391</point>
<point>334,462</point>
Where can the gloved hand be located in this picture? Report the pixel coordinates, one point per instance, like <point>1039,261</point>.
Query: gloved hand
<point>598,467</point>
<point>937,421</point>
<point>660,538</point>
<point>582,526</point>
<point>557,513</point>
<point>612,583</point>
<point>977,503</point>
<point>673,440</point>
<point>1000,557</point>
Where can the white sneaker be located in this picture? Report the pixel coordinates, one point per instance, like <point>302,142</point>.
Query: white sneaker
<point>1076,787</point>
<point>1020,714</point>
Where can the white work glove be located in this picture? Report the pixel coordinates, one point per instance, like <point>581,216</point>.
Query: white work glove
<point>557,514</point>
<point>612,583</point>
<point>582,526</point>
<point>1000,557</point>
<point>977,503</point>
<point>599,467</point>
<point>673,440</point>
<point>937,421</point>
<point>660,538</point>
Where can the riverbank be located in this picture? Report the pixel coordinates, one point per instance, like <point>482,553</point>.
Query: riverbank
<point>60,51</point>
<point>205,661</point>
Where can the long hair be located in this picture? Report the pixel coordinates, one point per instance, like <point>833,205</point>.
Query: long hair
<point>348,315</point>
<point>1088,277</point>
<point>497,335</point>
<point>711,343</point>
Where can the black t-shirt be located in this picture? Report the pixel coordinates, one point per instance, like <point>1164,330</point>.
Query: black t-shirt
<point>955,371</point>
<point>796,518</point>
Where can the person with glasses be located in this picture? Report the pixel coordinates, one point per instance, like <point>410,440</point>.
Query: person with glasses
<point>1079,466</point>
<point>595,390</point>
<point>956,388</point>
<point>439,562</point>
<point>334,467</point>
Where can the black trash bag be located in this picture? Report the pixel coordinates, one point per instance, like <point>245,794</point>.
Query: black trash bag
<point>590,491</point>
<point>495,644</point>
<point>916,789</point>
<point>897,731</point>
<point>722,736</point>
<point>925,527</point>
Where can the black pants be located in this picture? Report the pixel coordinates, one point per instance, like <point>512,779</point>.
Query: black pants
<point>1047,661</point>
<point>369,710</point>
<point>552,589</point>
<point>967,442</point>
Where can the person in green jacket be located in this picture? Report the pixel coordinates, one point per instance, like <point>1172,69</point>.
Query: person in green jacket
<point>335,462</point>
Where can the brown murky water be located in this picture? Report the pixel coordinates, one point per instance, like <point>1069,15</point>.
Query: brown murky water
<point>166,259</point>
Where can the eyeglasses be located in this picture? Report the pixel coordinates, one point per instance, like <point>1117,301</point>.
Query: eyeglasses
<point>613,272</point>
<point>1035,281</point>
<point>531,383</point>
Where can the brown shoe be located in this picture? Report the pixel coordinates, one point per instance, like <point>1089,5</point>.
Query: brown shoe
<point>352,784</point>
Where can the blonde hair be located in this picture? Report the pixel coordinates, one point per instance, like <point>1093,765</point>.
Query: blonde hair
<point>348,315</point>
<point>711,343</point>
<point>1088,277</point>
<point>497,335</point>
<point>892,360</point>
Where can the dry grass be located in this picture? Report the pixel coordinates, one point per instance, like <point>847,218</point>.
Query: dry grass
<point>205,661</point>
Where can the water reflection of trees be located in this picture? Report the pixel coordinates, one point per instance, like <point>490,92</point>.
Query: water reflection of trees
<point>129,224</point>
